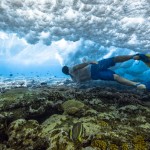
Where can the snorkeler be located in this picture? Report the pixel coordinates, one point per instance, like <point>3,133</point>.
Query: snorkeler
<point>99,70</point>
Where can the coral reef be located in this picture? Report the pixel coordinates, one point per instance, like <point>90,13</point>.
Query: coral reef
<point>25,135</point>
<point>139,143</point>
<point>56,128</point>
<point>99,144</point>
<point>72,118</point>
<point>73,107</point>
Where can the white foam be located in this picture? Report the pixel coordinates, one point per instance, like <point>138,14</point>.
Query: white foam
<point>124,24</point>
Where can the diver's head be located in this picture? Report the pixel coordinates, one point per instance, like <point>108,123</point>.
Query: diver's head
<point>65,70</point>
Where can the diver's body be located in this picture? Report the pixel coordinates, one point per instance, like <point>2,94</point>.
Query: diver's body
<point>81,75</point>
<point>100,71</point>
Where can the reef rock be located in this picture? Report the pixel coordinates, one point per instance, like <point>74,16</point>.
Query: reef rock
<point>56,128</point>
<point>25,135</point>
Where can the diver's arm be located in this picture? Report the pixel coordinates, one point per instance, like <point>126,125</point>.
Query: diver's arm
<point>80,66</point>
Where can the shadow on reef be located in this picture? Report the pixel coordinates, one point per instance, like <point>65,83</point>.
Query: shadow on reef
<point>71,118</point>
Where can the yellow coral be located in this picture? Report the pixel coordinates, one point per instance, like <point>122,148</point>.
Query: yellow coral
<point>99,143</point>
<point>125,146</point>
<point>139,143</point>
<point>138,139</point>
<point>113,147</point>
<point>103,124</point>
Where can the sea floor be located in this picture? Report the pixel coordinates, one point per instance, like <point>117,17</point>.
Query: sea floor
<point>68,116</point>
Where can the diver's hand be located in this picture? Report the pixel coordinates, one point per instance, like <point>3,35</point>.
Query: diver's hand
<point>136,57</point>
<point>93,62</point>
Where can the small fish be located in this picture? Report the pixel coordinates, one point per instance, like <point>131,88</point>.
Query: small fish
<point>10,74</point>
<point>77,132</point>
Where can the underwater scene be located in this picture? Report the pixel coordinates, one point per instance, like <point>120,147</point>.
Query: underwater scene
<point>74,75</point>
